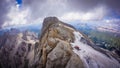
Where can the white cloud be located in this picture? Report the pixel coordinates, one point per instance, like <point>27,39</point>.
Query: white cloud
<point>96,14</point>
<point>111,20</point>
<point>17,16</point>
<point>20,17</point>
<point>71,16</point>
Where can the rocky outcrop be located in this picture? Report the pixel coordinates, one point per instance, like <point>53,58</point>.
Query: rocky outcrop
<point>17,49</point>
<point>54,48</point>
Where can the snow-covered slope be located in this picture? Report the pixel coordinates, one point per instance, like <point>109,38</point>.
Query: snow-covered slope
<point>91,57</point>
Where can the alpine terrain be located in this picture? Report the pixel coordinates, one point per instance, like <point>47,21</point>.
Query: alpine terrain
<point>60,45</point>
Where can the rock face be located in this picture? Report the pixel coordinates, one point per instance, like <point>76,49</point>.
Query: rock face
<point>17,49</point>
<point>54,48</point>
<point>61,46</point>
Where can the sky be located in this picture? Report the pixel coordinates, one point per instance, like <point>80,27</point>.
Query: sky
<point>21,12</point>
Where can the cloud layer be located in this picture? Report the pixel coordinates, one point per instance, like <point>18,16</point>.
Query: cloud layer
<point>68,10</point>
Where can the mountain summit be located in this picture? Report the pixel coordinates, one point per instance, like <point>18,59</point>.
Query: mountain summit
<point>62,46</point>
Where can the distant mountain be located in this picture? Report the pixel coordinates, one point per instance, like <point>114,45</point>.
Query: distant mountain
<point>17,48</point>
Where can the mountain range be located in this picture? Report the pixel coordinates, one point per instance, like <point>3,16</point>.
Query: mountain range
<point>59,45</point>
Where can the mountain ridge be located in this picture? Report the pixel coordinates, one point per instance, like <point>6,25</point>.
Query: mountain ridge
<point>57,32</point>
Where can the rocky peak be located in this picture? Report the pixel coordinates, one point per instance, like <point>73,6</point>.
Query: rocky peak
<point>54,49</point>
<point>50,20</point>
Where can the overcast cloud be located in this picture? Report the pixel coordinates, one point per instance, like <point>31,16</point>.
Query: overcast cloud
<point>32,11</point>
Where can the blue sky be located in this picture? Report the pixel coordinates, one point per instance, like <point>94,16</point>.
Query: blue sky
<point>19,2</point>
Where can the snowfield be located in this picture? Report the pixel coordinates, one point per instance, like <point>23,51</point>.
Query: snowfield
<point>90,57</point>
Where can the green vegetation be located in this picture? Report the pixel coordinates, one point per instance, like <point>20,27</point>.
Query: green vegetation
<point>107,40</point>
